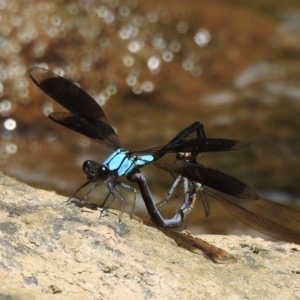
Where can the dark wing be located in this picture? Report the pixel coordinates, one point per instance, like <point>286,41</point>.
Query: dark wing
<point>197,145</point>
<point>82,126</point>
<point>211,178</point>
<point>200,144</point>
<point>79,103</point>
<point>208,145</point>
<point>271,218</point>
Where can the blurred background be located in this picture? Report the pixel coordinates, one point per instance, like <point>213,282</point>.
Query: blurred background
<point>155,67</point>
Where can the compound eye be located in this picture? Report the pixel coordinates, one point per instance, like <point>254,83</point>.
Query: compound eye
<point>180,156</point>
<point>103,170</point>
<point>86,166</point>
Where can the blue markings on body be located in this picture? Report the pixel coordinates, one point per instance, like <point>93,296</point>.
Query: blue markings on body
<point>142,160</point>
<point>115,159</point>
<point>121,162</point>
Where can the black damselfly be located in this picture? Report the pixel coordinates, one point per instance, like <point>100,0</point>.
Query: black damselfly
<point>269,217</point>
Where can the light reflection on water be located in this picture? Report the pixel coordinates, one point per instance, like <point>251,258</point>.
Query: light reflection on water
<point>10,124</point>
<point>11,148</point>
<point>202,37</point>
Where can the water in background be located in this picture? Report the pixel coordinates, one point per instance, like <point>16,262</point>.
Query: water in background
<point>155,69</point>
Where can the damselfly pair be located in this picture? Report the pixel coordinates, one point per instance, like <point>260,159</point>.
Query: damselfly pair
<point>85,116</point>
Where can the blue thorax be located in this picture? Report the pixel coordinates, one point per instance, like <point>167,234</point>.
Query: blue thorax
<point>123,163</point>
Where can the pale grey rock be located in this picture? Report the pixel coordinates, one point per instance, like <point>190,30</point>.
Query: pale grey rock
<point>49,250</point>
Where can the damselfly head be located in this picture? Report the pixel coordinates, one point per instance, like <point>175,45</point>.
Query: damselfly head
<point>183,155</point>
<point>90,168</point>
<point>103,171</point>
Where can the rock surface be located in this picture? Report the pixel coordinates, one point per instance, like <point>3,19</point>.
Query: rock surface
<point>50,250</point>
